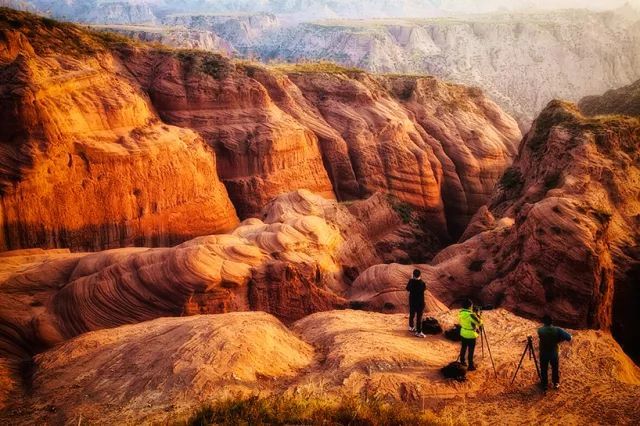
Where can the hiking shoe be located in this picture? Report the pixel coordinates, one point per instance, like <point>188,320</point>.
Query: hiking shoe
<point>556,385</point>
<point>463,363</point>
<point>413,329</point>
<point>421,335</point>
<point>471,368</point>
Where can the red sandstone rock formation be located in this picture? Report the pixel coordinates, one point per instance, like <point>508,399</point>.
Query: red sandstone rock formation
<point>561,233</point>
<point>86,163</point>
<point>301,257</point>
<point>89,163</point>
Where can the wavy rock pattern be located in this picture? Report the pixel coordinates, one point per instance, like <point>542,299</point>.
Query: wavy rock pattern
<point>86,163</point>
<point>561,232</point>
<point>300,258</point>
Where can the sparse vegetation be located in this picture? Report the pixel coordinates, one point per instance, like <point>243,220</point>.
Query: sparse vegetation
<point>404,210</point>
<point>213,64</point>
<point>552,180</point>
<point>604,217</point>
<point>511,179</point>
<point>281,410</point>
<point>316,67</point>
<point>567,116</point>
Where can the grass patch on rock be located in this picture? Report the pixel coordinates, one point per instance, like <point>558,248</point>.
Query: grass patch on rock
<point>283,410</point>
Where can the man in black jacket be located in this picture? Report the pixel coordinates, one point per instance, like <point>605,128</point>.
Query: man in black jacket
<point>416,288</point>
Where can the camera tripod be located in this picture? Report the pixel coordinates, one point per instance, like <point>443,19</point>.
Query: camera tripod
<point>485,341</point>
<point>532,355</point>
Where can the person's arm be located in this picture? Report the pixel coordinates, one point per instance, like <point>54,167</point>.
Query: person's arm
<point>564,336</point>
<point>476,320</point>
<point>409,285</point>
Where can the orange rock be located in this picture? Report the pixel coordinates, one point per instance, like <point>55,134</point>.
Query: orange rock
<point>86,163</point>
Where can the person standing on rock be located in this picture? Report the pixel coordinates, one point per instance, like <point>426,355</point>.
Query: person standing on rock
<point>470,323</point>
<point>550,337</point>
<point>416,288</point>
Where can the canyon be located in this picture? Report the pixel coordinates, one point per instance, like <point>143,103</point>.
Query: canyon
<point>85,108</point>
<point>521,56</point>
<point>179,227</point>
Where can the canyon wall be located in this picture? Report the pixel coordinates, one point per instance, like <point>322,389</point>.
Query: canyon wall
<point>87,163</point>
<point>522,61</point>
<point>559,236</point>
<point>94,158</point>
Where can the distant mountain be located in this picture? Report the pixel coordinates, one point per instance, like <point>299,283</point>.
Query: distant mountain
<point>145,11</point>
<point>522,60</point>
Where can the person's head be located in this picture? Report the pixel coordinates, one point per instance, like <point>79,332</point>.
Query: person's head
<point>416,273</point>
<point>467,304</point>
<point>547,320</point>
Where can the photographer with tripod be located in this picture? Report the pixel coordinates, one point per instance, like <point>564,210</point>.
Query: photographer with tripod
<point>470,323</point>
<point>550,337</point>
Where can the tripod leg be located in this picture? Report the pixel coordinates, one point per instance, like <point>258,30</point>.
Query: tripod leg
<point>486,339</point>
<point>482,341</point>
<point>519,364</point>
<point>535,360</point>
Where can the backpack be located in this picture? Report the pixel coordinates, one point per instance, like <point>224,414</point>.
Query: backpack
<point>455,370</point>
<point>453,333</point>
<point>431,326</point>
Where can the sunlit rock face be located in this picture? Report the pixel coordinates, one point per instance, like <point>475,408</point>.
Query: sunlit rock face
<point>560,234</point>
<point>109,143</point>
<point>86,162</point>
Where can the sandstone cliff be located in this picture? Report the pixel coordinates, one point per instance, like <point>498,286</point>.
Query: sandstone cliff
<point>86,162</point>
<point>561,232</point>
<point>101,131</point>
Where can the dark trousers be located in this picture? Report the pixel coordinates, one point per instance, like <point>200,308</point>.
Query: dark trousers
<point>416,311</point>
<point>545,360</point>
<point>469,344</point>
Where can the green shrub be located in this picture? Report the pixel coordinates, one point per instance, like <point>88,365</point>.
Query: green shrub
<point>511,179</point>
<point>552,180</point>
<point>404,210</point>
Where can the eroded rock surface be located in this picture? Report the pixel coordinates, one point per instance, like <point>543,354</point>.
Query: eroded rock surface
<point>86,163</point>
<point>163,370</point>
<point>561,232</point>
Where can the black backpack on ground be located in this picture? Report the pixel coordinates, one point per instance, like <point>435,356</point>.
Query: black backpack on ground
<point>431,326</point>
<point>453,333</point>
<point>455,370</point>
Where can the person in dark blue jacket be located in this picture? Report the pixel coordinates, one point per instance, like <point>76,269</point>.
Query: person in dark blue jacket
<point>550,337</point>
<point>416,288</point>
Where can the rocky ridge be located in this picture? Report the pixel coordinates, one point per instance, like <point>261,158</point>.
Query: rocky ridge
<point>245,134</point>
<point>560,234</point>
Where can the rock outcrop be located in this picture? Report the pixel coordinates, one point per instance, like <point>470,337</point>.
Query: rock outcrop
<point>171,364</point>
<point>163,370</point>
<point>86,163</point>
<point>561,232</point>
<point>102,131</point>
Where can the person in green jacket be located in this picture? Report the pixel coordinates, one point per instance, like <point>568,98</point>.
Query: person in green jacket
<point>550,337</point>
<point>470,323</point>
